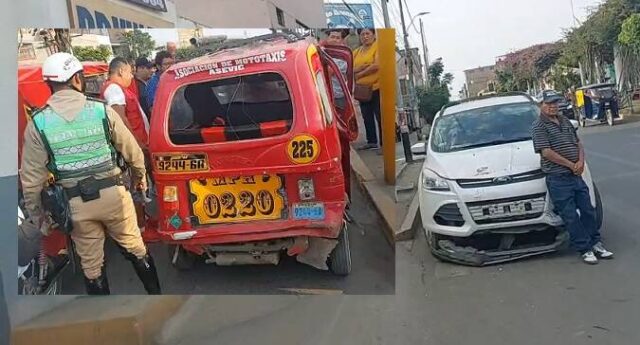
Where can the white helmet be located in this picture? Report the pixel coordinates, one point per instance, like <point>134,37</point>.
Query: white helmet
<point>60,67</point>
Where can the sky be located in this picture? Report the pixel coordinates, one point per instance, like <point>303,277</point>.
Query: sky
<point>472,33</point>
<point>465,33</point>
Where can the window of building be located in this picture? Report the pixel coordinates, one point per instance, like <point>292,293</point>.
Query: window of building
<point>280,15</point>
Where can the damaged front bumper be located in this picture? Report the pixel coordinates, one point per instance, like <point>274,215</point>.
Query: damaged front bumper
<point>474,251</point>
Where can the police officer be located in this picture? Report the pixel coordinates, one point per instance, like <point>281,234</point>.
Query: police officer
<point>77,139</point>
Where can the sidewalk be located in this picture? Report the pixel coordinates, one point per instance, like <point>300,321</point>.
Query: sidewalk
<point>393,202</point>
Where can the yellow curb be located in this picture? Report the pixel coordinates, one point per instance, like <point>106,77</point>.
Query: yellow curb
<point>107,320</point>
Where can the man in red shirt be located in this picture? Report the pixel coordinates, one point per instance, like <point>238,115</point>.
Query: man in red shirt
<point>116,91</point>
<point>119,96</point>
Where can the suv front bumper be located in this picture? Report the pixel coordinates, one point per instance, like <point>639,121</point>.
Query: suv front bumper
<point>457,222</point>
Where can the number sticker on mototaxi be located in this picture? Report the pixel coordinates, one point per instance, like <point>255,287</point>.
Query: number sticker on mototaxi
<point>303,149</point>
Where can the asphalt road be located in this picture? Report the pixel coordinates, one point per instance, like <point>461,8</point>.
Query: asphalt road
<point>373,270</point>
<point>555,299</point>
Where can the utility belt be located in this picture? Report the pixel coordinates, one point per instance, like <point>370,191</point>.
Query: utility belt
<point>89,188</point>
<point>55,198</point>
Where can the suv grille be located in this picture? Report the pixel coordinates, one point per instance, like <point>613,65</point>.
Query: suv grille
<point>449,215</point>
<point>498,181</point>
<point>507,210</point>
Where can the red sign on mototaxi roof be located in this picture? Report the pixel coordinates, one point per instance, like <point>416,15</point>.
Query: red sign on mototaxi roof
<point>237,60</point>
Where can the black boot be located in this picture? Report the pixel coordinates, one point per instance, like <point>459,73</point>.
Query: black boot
<point>98,286</point>
<point>146,271</point>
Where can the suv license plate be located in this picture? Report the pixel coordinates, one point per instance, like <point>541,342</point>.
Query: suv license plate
<point>308,211</point>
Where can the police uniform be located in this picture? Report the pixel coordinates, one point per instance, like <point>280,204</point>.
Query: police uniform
<point>84,135</point>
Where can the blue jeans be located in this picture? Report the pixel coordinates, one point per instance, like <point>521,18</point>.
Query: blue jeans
<point>371,114</point>
<point>569,193</point>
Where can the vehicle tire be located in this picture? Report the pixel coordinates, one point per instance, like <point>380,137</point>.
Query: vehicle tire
<point>184,260</point>
<point>599,209</point>
<point>340,257</point>
<point>610,117</point>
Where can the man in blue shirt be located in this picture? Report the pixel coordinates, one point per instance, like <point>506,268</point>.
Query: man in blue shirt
<point>163,62</point>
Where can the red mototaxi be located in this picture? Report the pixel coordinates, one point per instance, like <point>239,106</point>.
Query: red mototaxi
<point>198,180</point>
<point>33,94</point>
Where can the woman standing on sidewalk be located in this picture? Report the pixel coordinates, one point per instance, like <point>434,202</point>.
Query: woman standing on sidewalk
<point>367,90</point>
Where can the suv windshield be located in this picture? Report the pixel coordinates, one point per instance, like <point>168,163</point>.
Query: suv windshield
<point>246,107</point>
<point>494,125</point>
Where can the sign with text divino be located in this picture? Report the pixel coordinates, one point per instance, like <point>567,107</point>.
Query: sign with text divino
<point>102,14</point>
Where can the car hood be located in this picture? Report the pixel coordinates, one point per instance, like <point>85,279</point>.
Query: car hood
<point>485,162</point>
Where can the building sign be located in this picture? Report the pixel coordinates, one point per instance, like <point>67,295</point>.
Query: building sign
<point>353,16</point>
<point>100,14</point>
<point>157,5</point>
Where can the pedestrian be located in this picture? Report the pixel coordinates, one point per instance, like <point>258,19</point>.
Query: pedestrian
<point>337,37</point>
<point>163,62</point>
<point>118,95</point>
<point>133,87</point>
<point>562,159</point>
<point>77,140</point>
<point>144,71</point>
<point>172,49</point>
<point>367,89</point>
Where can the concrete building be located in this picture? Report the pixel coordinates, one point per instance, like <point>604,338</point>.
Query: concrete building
<point>403,74</point>
<point>33,47</point>
<point>254,13</point>
<point>480,80</point>
<point>130,14</point>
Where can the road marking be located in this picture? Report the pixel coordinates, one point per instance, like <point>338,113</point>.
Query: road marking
<point>297,291</point>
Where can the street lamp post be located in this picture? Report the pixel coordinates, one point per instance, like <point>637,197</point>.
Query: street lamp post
<point>425,53</point>
<point>409,62</point>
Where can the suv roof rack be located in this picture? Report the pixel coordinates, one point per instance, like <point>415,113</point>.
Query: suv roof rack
<point>503,94</point>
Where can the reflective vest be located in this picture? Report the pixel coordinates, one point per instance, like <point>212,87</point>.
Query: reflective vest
<point>80,148</point>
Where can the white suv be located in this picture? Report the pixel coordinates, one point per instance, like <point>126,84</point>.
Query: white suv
<point>483,197</point>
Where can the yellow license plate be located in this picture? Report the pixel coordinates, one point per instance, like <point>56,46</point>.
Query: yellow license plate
<point>182,163</point>
<point>237,199</point>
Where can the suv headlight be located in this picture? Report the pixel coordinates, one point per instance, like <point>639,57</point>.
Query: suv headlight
<point>431,181</point>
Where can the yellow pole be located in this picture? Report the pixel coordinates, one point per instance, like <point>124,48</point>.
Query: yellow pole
<point>387,61</point>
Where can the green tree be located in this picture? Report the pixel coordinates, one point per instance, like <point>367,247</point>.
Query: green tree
<point>630,33</point>
<point>433,98</point>
<point>101,53</point>
<point>140,44</point>
<point>564,78</point>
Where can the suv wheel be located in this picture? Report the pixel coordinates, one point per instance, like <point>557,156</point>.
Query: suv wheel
<point>432,241</point>
<point>599,210</point>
